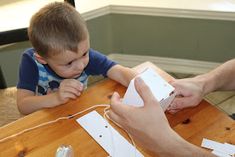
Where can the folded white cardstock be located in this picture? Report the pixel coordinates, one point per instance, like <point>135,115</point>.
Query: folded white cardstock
<point>161,90</point>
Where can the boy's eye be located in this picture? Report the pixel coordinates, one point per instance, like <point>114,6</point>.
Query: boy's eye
<point>84,54</point>
<point>70,63</point>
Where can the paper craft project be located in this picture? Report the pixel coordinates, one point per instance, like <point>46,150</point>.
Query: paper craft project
<point>106,136</point>
<point>219,149</point>
<point>161,90</point>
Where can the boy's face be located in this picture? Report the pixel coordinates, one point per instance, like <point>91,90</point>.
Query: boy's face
<point>70,64</point>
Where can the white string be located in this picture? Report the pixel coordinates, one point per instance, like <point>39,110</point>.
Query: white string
<point>106,110</point>
<point>51,122</point>
<point>111,133</point>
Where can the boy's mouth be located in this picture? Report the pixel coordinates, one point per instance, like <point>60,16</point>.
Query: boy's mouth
<point>76,75</point>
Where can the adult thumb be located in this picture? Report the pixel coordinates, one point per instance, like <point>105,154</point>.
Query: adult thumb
<point>143,90</point>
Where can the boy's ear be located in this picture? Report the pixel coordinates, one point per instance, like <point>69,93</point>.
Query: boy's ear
<point>40,59</point>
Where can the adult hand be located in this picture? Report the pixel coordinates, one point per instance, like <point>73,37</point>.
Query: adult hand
<point>147,124</point>
<point>189,93</point>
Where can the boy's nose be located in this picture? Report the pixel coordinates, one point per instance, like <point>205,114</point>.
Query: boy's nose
<point>79,67</point>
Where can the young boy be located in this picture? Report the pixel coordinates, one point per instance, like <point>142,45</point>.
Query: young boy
<point>57,68</point>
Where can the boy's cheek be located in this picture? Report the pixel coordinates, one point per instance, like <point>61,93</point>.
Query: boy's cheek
<point>87,61</point>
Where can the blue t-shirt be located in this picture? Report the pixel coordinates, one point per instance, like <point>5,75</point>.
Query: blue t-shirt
<point>41,79</point>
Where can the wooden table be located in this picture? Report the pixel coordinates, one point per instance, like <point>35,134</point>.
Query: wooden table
<point>192,124</point>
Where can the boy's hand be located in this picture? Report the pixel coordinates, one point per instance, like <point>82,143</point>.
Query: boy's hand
<point>69,89</point>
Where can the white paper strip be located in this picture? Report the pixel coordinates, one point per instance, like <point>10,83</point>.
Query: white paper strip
<point>107,137</point>
<point>220,154</point>
<point>230,146</point>
<point>218,147</point>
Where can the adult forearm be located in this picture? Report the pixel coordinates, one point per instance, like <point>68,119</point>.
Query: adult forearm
<point>178,147</point>
<point>186,149</point>
<point>221,78</point>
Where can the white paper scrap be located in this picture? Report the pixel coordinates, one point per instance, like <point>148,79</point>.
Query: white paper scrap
<point>106,136</point>
<point>220,154</point>
<point>230,146</point>
<point>161,90</point>
<point>217,146</point>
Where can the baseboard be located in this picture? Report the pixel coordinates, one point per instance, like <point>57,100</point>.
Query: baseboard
<point>184,66</point>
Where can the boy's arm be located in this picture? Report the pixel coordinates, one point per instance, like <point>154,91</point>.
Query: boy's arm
<point>121,74</point>
<point>28,102</point>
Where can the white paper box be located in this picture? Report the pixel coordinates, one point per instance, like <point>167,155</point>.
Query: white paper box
<point>161,90</point>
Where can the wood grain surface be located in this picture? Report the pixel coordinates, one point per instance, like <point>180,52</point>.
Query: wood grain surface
<point>192,124</point>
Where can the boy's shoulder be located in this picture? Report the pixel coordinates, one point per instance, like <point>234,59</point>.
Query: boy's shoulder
<point>29,52</point>
<point>28,57</point>
<point>94,54</point>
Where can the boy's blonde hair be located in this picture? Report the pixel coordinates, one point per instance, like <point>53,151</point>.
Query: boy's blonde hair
<point>55,28</point>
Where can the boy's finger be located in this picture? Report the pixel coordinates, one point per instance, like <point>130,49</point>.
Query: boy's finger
<point>79,85</point>
<point>72,90</point>
<point>76,84</point>
<point>70,95</point>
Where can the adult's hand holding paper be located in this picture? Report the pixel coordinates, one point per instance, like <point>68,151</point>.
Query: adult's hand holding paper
<point>161,90</point>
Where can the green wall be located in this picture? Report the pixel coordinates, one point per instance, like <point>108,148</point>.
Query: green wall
<point>9,61</point>
<point>101,37</point>
<point>208,40</point>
